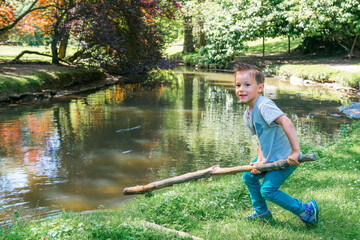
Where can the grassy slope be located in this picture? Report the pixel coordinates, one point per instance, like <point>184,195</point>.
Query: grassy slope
<point>43,77</point>
<point>214,208</point>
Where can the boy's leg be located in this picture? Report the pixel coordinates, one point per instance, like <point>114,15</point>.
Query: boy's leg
<point>269,190</point>
<point>252,181</point>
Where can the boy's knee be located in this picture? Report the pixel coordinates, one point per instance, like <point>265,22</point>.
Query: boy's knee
<point>247,177</point>
<point>267,193</point>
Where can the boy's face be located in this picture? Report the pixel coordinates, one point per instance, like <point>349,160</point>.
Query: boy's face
<point>246,88</point>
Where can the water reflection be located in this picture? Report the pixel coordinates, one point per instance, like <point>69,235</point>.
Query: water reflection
<point>69,154</point>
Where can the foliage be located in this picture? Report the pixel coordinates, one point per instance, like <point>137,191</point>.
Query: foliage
<point>230,24</point>
<point>331,21</point>
<point>122,36</point>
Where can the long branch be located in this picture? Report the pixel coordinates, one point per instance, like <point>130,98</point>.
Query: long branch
<point>36,53</point>
<point>168,230</point>
<point>215,170</point>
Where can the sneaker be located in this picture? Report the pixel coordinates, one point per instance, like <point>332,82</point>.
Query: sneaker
<point>264,217</point>
<point>312,213</point>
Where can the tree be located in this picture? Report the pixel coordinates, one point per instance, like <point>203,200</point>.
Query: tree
<point>8,19</point>
<point>121,36</point>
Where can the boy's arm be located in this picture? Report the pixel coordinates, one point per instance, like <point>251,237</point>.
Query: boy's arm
<point>290,132</point>
<point>258,161</point>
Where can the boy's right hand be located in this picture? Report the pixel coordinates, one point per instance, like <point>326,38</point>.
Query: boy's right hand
<point>255,171</point>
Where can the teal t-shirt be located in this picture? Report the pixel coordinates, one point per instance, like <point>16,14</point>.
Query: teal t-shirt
<point>273,141</point>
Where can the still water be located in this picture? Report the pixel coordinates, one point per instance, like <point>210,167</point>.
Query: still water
<point>80,152</point>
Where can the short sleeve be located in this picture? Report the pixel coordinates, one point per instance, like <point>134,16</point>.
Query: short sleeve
<point>270,112</point>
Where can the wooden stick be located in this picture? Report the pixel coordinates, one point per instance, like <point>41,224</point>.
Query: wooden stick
<point>215,170</point>
<point>180,233</point>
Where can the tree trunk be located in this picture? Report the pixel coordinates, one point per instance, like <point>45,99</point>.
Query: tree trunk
<point>54,52</point>
<point>188,35</point>
<point>263,52</point>
<point>201,42</point>
<point>63,45</point>
<point>289,45</point>
<point>215,170</point>
<point>352,47</point>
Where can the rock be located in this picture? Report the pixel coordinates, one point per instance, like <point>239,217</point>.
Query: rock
<point>309,83</point>
<point>351,111</point>
<point>294,80</point>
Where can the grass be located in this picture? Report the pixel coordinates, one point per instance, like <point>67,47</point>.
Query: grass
<point>214,208</point>
<point>273,45</point>
<point>46,78</point>
<point>8,53</point>
<point>43,77</point>
<point>321,73</point>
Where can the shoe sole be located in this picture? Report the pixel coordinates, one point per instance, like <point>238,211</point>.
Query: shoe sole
<point>316,210</point>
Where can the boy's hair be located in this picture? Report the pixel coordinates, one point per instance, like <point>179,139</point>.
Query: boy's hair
<point>252,69</point>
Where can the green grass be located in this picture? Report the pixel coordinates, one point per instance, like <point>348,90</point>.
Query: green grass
<point>214,208</point>
<point>273,45</point>
<point>321,73</point>
<point>8,53</point>
<point>52,79</point>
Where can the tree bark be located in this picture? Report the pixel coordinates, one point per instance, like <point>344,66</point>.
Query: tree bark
<point>215,170</point>
<point>63,46</point>
<point>164,229</point>
<point>352,47</point>
<point>289,45</point>
<point>201,42</point>
<point>188,35</point>
<point>263,42</point>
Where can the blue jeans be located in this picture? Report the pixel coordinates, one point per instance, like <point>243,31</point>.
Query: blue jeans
<point>268,190</point>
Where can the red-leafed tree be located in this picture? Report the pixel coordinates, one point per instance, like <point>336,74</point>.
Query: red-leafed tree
<point>122,36</point>
<point>117,35</point>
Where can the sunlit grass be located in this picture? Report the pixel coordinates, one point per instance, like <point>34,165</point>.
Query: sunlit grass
<point>273,45</point>
<point>321,73</point>
<point>51,78</point>
<point>8,53</point>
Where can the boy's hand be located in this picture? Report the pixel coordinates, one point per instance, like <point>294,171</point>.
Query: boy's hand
<point>293,158</point>
<point>255,171</point>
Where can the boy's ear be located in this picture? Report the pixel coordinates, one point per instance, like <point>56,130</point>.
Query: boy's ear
<point>261,88</point>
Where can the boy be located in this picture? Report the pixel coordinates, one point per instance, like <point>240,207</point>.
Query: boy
<point>277,140</point>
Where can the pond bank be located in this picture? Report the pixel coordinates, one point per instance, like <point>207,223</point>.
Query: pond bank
<point>338,73</point>
<point>31,82</point>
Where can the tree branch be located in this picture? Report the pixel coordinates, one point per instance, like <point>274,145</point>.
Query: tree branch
<point>213,171</point>
<point>164,229</point>
<point>17,58</point>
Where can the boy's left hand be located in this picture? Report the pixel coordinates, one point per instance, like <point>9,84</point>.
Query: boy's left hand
<point>293,158</point>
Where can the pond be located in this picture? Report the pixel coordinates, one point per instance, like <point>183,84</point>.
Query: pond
<point>80,152</point>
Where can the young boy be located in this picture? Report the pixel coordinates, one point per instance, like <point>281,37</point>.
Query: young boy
<point>277,140</point>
